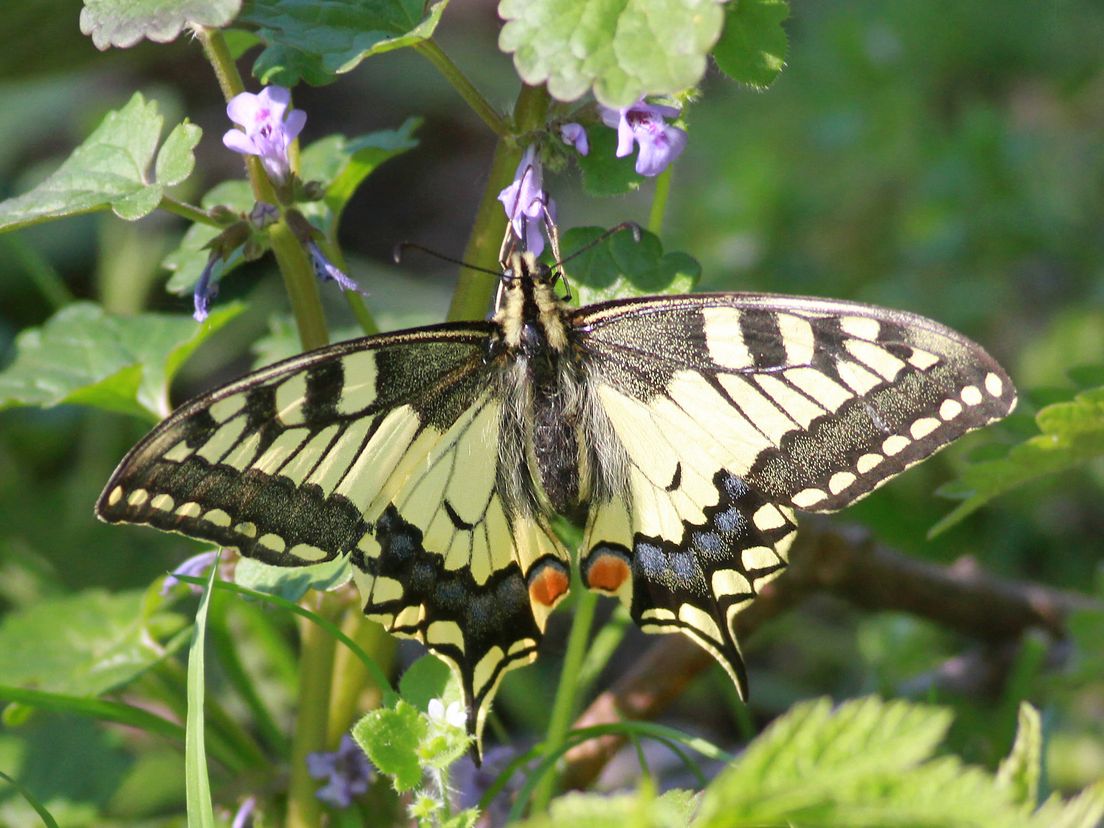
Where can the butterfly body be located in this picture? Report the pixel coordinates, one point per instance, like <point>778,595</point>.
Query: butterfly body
<point>681,432</point>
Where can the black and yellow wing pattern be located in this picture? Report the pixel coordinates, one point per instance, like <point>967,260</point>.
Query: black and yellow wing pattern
<point>683,432</point>
<point>734,410</point>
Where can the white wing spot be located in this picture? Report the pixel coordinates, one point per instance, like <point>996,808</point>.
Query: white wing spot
<point>861,326</point>
<point>758,557</point>
<point>868,462</point>
<point>797,339</point>
<point>289,399</point>
<point>248,528</point>
<point>115,496</point>
<point>994,385</point>
<point>970,395</point>
<point>950,409</point>
<point>858,378</point>
<point>178,453</point>
<point>308,552</point>
<point>724,339</point>
<point>163,502</point>
<point>922,360</point>
<point>273,542</point>
<point>923,427</point>
<point>840,481</point>
<point>808,497</point>
<point>138,497</point>
<point>218,517</point>
<point>699,620</point>
<point>730,582</point>
<point>767,518</point>
<point>895,444</point>
<point>223,410</point>
<point>191,509</point>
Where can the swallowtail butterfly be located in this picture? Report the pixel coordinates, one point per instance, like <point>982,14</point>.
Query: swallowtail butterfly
<point>681,432</point>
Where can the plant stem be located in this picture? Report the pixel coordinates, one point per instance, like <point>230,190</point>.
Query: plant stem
<point>188,211</point>
<point>42,273</point>
<point>451,72</point>
<point>316,657</point>
<point>473,289</point>
<point>659,201</point>
<point>351,677</point>
<point>301,284</point>
<point>564,706</point>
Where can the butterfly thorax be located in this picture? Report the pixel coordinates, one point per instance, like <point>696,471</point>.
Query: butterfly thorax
<point>542,382</point>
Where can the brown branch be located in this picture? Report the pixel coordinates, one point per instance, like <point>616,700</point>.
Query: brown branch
<point>848,563</point>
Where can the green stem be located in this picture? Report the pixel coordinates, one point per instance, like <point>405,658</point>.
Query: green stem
<point>659,201</point>
<point>474,289</point>
<point>316,657</point>
<point>301,285</point>
<point>351,677</point>
<point>353,299</point>
<point>563,707</point>
<point>45,278</point>
<point>451,72</point>
<point>188,211</point>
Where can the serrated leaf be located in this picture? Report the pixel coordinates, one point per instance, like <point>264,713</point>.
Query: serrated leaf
<point>622,51</point>
<point>807,756</point>
<point>122,23</point>
<point>641,810</point>
<point>110,169</point>
<point>313,41</point>
<point>176,159</point>
<point>84,356</point>
<point>390,737</point>
<point>621,266</point>
<point>604,174</point>
<point>78,645</point>
<point>1021,770</point>
<point>752,49</point>
<point>186,263</point>
<point>1072,433</point>
<point>291,583</point>
<point>1086,810</point>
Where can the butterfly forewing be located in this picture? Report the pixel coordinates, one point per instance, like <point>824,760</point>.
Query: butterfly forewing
<point>383,449</point>
<point>733,410</point>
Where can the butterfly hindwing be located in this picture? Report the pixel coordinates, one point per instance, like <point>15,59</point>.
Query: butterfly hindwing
<point>732,410</point>
<point>384,449</point>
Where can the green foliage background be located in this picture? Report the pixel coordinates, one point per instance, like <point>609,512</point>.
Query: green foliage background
<point>941,157</point>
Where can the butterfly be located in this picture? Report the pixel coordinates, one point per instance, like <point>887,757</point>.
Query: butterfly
<point>680,432</point>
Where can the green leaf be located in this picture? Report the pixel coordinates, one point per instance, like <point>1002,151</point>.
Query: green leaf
<point>78,645</point>
<point>390,737</point>
<point>40,809</point>
<point>84,356</point>
<point>621,266</point>
<point>291,583</point>
<point>313,41</point>
<point>1020,772</point>
<point>186,263</point>
<point>1083,811</point>
<point>1072,434</point>
<point>752,49</point>
<point>176,159</point>
<point>106,711</point>
<point>425,679</point>
<point>604,174</point>
<point>197,785</point>
<point>622,50</point>
<point>122,23</point>
<point>110,169</point>
<point>341,164</point>
<point>641,810</point>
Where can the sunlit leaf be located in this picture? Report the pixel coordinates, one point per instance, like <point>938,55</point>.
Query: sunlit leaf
<point>620,50</point>
<point>390,737</point>
<point>621,266</point>
<point>752,48</point>
<point>110,169</point>
<point>85,356</point>
<point>122,23</point>
<point>1021,770</point>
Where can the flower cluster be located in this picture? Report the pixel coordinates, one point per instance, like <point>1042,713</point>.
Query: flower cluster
<point>346,770</point>
<point>645,125</point>
<point>267,128</point>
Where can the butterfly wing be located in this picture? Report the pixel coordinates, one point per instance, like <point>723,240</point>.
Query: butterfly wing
<point>384,449</point>
<point>731,411</point>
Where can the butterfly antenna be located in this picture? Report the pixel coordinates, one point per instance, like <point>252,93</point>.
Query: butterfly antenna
<point>625,225</point>
<point>401,247</point>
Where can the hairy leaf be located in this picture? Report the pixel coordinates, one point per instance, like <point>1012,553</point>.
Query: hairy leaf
<point>122,23</point>
<point>643,810</point>
<point>84,356</point>
<point>311,41</point>
<point>1021,770</point>
<point>621,266</point>
<point>1072,434</point>
<point>622,51</point>
<point>752,49</point>
<point>390,736</point>
<point>110,169</point>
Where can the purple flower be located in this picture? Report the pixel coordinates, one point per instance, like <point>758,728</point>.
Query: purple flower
<point>575,135</point>
<point>660,143</point>
<point>347,768</point>
<point>193,567</point>
<point>526,201</point>
<point>265,131</point>
<point>245,812</point>
<point>205,289</point>
<point>327,271</point>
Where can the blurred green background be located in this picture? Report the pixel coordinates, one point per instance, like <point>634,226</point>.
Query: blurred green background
<point>940,157</point>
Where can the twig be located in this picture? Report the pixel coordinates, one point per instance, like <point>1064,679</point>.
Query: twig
<point>848,563</point>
